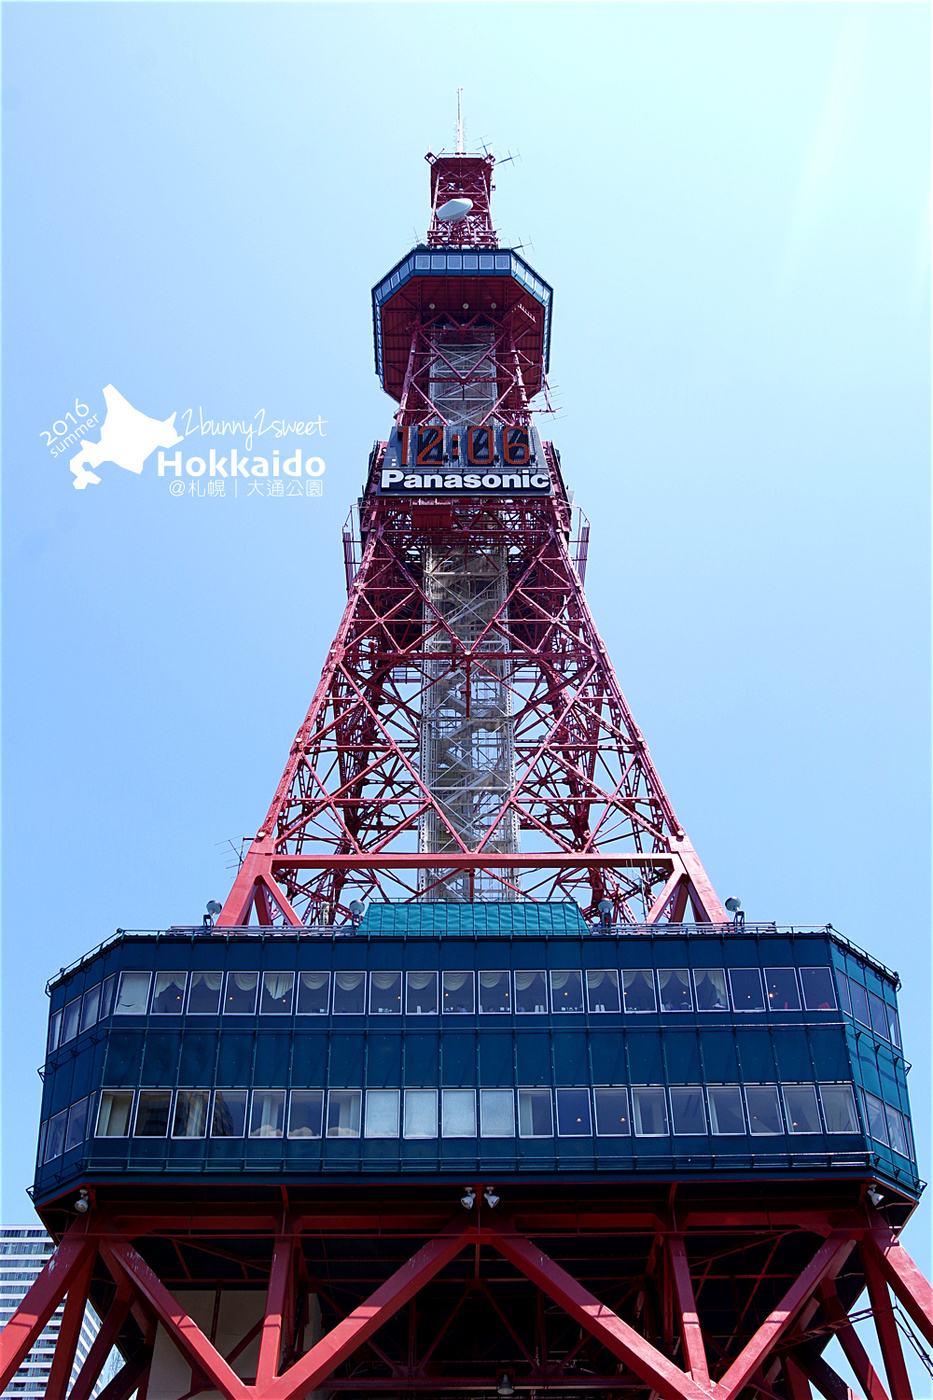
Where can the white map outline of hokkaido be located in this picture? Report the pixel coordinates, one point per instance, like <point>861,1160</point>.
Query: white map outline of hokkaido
<point>127,438</point>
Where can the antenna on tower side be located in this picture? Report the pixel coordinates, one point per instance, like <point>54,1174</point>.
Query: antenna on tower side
<point>459,121</point>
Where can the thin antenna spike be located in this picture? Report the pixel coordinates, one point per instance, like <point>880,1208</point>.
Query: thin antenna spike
<point>459,121</point>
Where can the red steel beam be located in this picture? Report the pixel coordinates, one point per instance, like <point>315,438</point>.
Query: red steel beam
<point>270,1345</point>
<point>132,1376</point>
<point>470,860</point>
<point>900,1272</point>
<point>70,1330</point>
<point>886,1327</point>
<point>599,1320</point>
<point>39,1303</point>
<point>694,1349</point>
<point>848,1339</point>
<point>103,1343</point>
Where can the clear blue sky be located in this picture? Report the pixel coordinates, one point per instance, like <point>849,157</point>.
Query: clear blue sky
<point>731,202</point>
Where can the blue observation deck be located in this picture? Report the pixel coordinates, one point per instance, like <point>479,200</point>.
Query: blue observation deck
<point>509,1040</point>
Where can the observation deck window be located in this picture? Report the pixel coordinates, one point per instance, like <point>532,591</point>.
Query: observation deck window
<point>382,1109</point>
<point>602,990</point>
<point>385,994</point>
<point>420,1113</point>
<point>860,1007</point>
<point>709,983</point>
<point>688,1116</point>
<point>190,1120</point>
<point>133,994</point>
<point>349,994</point>
<point>77,1124</point>
<point>839,1108</point>
<point>893,1026</point>
<point>458,1113</point>
<point>277,992</point>
<point>877,1122</point>
<point>530,993</point>
<point>781,985</point>
<point>725,1110</point>
<point>55,1027</point>
<point>649,1112</point>
<point>70,1020</point>
<point>55,1138</point>
<point>674,989</point>
<point>306,1113</point>
<point>240,993</point>
<point>764,1110</point>
<point>879,1016</point>
<point>494,992</point>
<point>459,999</point>
<point>746,989</point>
<point>638,990</point>
<point>204,993</point>
<point>612,1114</point>
<point>818,991</point>
<point>313,993</point>
<point>573,1113</point>
<point>90,1008</point>
<point>803,1114</point>
<point>152,1111</point>
<point>229,1116</point>
<point>896,1130</point>
<point>267,1113</point>
<point>496,1113</point>
<point>421,994</point>
<point>567,990</point>
<point>845,1000</point>
<point>535,1118</point>
<point>168,999</point>
<point>106,995</point>
<point>113,1115</point>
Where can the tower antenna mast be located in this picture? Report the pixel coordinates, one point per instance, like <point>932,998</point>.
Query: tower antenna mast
<point>459,121</point>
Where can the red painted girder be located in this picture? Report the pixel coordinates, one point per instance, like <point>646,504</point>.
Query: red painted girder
<point>886,1327</point>
<point>131,1377</point>
<point>69,1330</point>
<point>830,1253</point>
<point>798,1386</point>
<point>848,1339</point>
<point>103,1343</point>
<point>598,1319</point>
<point>327,1354</point>
<point>271,1342</point>
<point>694,1349</point>
<point>469,860</point>
<point>900,1272</point>
<point>39,1303</point>
<point>815,1369</point>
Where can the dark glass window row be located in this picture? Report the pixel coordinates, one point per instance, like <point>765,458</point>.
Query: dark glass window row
<point>82,1013</point>
<point>650,1110</point>
<point>869,1009</point>
<point>529,991</point>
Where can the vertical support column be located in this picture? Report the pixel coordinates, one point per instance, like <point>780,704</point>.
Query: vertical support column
<point>270,1344</point>
<point>103,1343</point>
<point>70,1331</point>
<point>694,1349</point>
<point>798,1387</point>
<point>886,1326</point>
<point>848,1339</point>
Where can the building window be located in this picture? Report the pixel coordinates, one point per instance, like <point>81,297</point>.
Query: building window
<point>896,1130</point>
<point>306,1113</point>
<point>530,993</point>
<point>725,1110</point>
<point>496,1113</point>
<point>343,1111</point>
<point>421,994</point>
<point>567,990</point>
<point>77,1124</point>
<point>421,1113</point>
<point>55,1028</point>
<point>349,993</point>
<point>842,982</point>
<point>649,1112</point>
<point>709,984</point>
<point>534,1113</point>
<point>70,1020</point>
<point>860,1008</point>
<point>385,994</point>
<point>458,1113</point>
<point>204,993</point>
<point>190,1119</point>
<point>313,993</point>
<point>746,989</point>
<point>803,1115</point>
<point>839,1108</point>
<point>277,990</point>
<point>781,985</point>
<point>877,1123</point>
<point>764,1110</point>
<point>638,990</point>
<point>382,1113</point>
<point>688,1116</point>
<point>494,992</point>
<point>55,1138</point>
<point>90,1007</point>
<point>228,1119</point>
<point>106,995</point>
<point>612,1116</point>
<point>879,1016</point>
<point>573,1113</point>
<point>113,1116</point>
<point>168,999</point>
<point>674,988</point>
<point>818,991</point>
<point>893,1026</point>
<point>267,1113</point>
<point>133,994</point>
<point>602,990</point>
<point>152,1110</point>
<point>240,993</point>
<point>458,993</point>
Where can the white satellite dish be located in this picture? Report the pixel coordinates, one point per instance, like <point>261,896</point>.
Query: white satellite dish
<point>455,209</point>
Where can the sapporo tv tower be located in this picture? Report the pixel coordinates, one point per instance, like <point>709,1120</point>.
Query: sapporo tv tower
<point>473,1089</point>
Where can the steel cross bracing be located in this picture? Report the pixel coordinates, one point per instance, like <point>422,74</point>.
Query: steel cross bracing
<point>685,1303</point>
<point>593,816</point>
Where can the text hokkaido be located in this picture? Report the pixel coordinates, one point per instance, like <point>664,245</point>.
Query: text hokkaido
<point>236,465</point>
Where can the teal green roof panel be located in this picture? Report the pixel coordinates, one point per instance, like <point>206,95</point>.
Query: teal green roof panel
<point>527,919</point>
